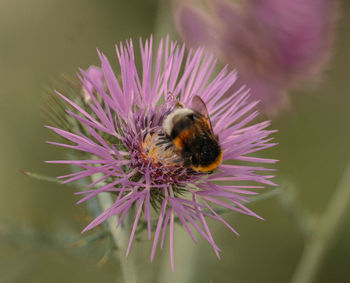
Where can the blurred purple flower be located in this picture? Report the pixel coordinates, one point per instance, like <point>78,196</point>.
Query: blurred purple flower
<point>143,173</point>
<point>274,44</point>
<point>96,75</point>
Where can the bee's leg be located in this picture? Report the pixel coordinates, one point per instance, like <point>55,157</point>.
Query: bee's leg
<point>163,138</point>
<point>187,158</point>
<point>169,146</point>
<point>163,142</point>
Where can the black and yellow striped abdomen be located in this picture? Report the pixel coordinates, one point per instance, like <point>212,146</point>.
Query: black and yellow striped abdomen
<point>199,147</point>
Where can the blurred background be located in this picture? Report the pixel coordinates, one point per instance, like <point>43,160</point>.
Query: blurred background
<point>42,39</point>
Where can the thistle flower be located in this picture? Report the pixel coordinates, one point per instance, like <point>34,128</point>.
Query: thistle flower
<point>274,44</point>
<point>95,74</point>
<point>121,136</point>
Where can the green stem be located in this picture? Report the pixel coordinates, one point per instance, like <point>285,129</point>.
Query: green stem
<point>324,233</point>
<point>120,237</point>
<point>187,257</point>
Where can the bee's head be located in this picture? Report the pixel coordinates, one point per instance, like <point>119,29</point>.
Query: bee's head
<point>175,118</point>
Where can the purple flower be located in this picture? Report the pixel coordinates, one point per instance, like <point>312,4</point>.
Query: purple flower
<point>96,75</point>
<point>274,44</point>
<point>123,130</point>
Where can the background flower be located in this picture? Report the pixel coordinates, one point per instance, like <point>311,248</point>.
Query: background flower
<point>274,44</point>
<point>95,74</point>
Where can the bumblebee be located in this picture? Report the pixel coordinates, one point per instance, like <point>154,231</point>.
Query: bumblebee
<point>191,132</point>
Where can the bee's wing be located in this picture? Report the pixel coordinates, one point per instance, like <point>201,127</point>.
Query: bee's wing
<point>199,106</point>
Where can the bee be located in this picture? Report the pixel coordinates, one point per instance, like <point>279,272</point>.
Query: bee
<point>191,132</point>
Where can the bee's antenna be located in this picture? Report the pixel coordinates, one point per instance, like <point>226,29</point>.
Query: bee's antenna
<point>178,103</point>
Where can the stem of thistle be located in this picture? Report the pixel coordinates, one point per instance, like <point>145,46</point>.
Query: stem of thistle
<point>120,237</point>
<point>316,248</point>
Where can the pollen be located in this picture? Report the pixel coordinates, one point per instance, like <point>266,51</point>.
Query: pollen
<point>157,147</point>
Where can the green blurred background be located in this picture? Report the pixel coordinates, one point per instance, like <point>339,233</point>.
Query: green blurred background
<point>40,40</point>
